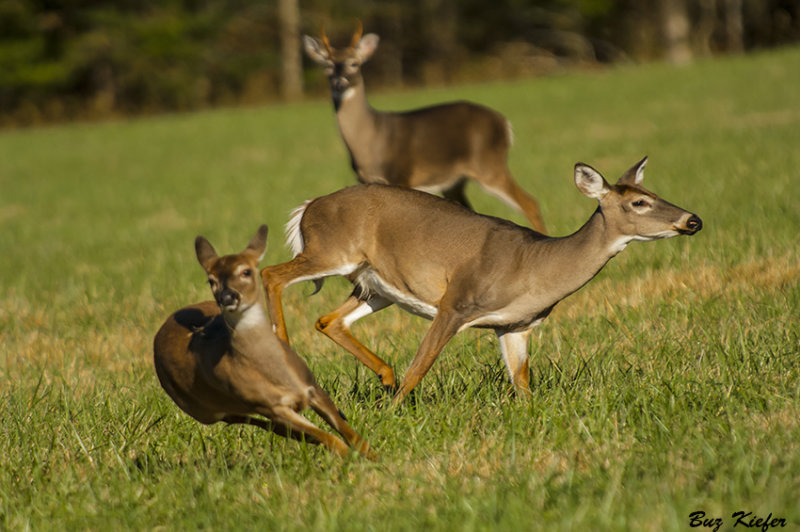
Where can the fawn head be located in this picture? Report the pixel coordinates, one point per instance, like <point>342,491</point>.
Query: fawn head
<point>234,279</point>
<point>631,210</point>
<point>342,65</point>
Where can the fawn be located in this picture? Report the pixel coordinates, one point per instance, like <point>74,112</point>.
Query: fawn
<point>221,361</point>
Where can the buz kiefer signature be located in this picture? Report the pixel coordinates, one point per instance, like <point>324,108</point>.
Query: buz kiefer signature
<point>741,519</point>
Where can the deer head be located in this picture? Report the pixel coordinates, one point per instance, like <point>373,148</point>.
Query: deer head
<point>632,211</point>
<point>233,278</point>
<point>342,65</point>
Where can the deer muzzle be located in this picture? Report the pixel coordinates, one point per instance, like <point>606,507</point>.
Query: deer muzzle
<point>228,298</point>
<point>339,84</point>
<point>693,224</point>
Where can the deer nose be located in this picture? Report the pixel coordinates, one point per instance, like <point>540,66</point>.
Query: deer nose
<point>339,84</point>
<point>227,298</point>
<point>694,224</point>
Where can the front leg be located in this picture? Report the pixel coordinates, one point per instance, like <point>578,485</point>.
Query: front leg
<point>445,325</point>
<point>514,348</point>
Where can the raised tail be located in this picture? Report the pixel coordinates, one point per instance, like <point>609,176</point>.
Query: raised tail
<point>294,237</point>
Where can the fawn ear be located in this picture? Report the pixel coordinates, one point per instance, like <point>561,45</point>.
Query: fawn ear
<point>635,174</point>
<point>316,50</point>
<point>590,182</point>
<point>258,244</point>
<point>205,252</point>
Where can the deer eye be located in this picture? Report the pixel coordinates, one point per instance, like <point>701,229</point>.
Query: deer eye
<point>247,273</point>
<point>640,203</point>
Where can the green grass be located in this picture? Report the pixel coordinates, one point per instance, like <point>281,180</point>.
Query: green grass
<point>667,385</point>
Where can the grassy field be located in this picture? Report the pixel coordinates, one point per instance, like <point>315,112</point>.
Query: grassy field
<point>668,385</point>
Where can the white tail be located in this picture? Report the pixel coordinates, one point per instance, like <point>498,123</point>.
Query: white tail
<point>221,361</point>
<point>461,269</point>
<point>434,149</point>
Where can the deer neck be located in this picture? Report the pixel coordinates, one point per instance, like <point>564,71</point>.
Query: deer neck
<point>572,261</point>
<point>248,325</point>
<point>358,121</point>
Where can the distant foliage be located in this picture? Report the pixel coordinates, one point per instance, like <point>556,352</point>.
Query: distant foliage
<point>62,59</point>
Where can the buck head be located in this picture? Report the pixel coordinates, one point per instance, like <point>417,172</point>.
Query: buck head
<point>630,211</point>
<point>342,65</point>
<point>234,279</point>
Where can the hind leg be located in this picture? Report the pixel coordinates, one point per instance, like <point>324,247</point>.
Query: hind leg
<point>276,278</point>
<point>504,187</point>
<point>456,193</point>
<point>278,428</point>
<point>336,326</point>
<point>323,405</point>
<point>301,428</point>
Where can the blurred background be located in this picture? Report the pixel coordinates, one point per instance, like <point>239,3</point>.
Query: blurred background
<point>93,59</point>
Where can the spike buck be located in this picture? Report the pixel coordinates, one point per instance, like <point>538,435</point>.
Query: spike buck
<point>440,261</point>
<point>433,149</point>
<point>221,361</point>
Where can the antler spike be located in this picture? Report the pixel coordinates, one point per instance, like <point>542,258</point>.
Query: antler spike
<point>357,34</point>
<point>325,40</point>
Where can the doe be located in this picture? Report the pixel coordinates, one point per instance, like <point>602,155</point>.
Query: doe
<point>460,269</point>
<point>433,149</point>
<point>221,361</point>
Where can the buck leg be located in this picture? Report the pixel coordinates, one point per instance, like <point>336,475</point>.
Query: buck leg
<point>336,326</point>
<point>505,188</point>
<point>444,327</point>
<point>322,404</point>
<point>456,193</point>
<point>514,348</point>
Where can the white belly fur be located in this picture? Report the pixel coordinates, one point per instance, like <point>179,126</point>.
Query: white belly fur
<point>369,281</point>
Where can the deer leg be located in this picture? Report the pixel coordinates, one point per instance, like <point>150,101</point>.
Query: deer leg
<point>322,404</point>
<point>505,188</point>
<point>456,193</point>
<point>271,426</point>
<point>273,278</point>
<point>301,429</point>
<point>276,278</point>
<point>444,327</point>
<point>336,326</point>
<point>514,348</point>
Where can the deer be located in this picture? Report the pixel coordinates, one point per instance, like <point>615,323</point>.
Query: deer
<point>221,361</point>
<point>434,149</point>
<point>441,261</point>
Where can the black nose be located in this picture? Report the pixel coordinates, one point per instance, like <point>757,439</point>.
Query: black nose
<point>339,84</point>
<point>694,224</point>
<point>227,298</point>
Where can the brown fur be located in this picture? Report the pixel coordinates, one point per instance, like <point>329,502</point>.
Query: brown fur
<point>221,361</point>
<point>458,268</point>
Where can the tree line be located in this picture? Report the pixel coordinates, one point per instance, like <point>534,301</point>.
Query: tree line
<point>63,59</point>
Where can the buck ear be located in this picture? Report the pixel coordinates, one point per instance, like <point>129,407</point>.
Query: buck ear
<point>316,50</point>
<point>635,174</point>
<point>205,252</point>
<point>367,46</point>
<point>590,182</point>
<point>258,244</point>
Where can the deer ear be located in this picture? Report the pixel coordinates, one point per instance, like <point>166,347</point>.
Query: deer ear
<point>367,46</point>
<point>590,182</point>
<point>258,244</point>
<point>635,174</point>
<point>315,50</point>
<point>205,252</point>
